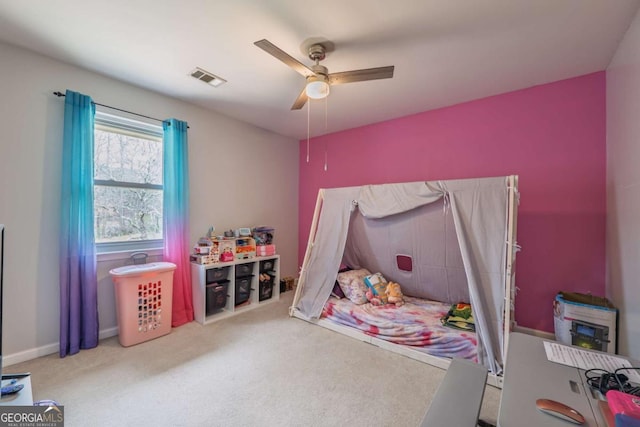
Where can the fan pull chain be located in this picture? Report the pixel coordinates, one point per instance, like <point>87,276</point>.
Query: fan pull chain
<point>326,101</point>
<point>308,127</point>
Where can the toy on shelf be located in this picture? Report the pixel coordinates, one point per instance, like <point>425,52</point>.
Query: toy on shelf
<point>227,250</point>
<point>243,232</point>
<point>265,250</point>
<point>233,245</point>
<point>263,235</point>
<point>202,251</point>
<point>214,255</point>
<point>245,248</point>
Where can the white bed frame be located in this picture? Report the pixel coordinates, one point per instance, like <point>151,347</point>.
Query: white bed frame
<point>440,362</point>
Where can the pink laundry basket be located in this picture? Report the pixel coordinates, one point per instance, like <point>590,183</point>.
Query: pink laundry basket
<point>144,294</point>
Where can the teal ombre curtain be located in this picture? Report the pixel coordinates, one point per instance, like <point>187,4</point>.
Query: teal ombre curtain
<point>78,279</point>
<point>176,217</point>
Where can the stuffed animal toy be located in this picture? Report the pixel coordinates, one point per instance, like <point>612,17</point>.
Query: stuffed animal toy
<point>373,299</point>
<point>394,294</point>
<point>376,285</point>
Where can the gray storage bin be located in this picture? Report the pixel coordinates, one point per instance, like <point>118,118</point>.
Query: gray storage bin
<point>217,274</point>
<point>244,269</point>
<point>243,289</point>
<point>216,298</point>
<point>267,265</point>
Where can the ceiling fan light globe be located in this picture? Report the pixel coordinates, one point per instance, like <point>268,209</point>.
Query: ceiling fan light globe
<point>317,89</point>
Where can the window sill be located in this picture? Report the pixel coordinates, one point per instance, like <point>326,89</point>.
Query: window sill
<point>122,255</point>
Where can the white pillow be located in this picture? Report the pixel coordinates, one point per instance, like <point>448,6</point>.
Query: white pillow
<point>352,284</point>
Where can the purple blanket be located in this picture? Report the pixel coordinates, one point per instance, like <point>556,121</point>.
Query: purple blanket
<point>416,324</point>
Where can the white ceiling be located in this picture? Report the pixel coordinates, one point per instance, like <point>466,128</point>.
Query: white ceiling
<point>444,51</point>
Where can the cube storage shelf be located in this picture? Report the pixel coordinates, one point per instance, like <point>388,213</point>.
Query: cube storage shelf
<point>225,289</point>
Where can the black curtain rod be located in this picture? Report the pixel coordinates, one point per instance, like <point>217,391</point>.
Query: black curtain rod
<point>120,109</point>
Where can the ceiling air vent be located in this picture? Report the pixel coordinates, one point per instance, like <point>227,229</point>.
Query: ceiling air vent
<point>207,77</point>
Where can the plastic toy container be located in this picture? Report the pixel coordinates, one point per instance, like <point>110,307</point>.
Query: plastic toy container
<point>144,295</point>
<point>216,296</point>
<point>217,274</point>
<point>265,250</point>
<point>243,270</point>
<point>267,265</point>
<point>263,235</point>
<point>243,289</point>
<point>265,287</point>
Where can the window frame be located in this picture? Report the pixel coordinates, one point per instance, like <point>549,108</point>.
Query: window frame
<point>136,127</point>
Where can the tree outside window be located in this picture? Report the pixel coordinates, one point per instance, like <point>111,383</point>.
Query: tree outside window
<point>127,183</point>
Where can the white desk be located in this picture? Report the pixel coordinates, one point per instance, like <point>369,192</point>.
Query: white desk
<point>22,398</point>
<point>530,376</point>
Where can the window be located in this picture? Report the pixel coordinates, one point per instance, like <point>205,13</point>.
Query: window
<point>127,184</point>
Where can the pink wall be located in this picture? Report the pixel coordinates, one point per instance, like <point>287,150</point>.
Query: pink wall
<point>552,136</point>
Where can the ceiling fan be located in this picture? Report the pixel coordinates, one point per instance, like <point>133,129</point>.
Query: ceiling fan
<point>319,80</point>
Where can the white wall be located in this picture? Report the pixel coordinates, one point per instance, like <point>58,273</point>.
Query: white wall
<point>623,188</point>
<point>241,176</point>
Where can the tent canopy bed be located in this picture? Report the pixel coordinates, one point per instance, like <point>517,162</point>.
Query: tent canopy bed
<point>445,242</point>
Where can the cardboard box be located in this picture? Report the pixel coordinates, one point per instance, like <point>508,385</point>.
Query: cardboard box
<point>586,321</point>
<point>200,259</point>
<point>202,250</point>
<point>288,283</point>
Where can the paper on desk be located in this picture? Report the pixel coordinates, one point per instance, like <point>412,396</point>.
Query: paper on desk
<point>583,359</point>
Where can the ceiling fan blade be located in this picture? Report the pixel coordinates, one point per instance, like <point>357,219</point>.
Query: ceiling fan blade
<point>361,75</point>
<point>301,100</point>
<point>283,56</point>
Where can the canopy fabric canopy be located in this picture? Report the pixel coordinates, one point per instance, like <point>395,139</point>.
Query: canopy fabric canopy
<point>453,231</point>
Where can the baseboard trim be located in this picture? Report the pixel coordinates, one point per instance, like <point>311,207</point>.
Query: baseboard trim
<point>108,333</point>
<point>34,353</point>
<point>535,332</point>
<point>45,350</point>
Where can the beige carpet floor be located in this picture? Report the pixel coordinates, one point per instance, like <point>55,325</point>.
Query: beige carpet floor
<point>260,368</point>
